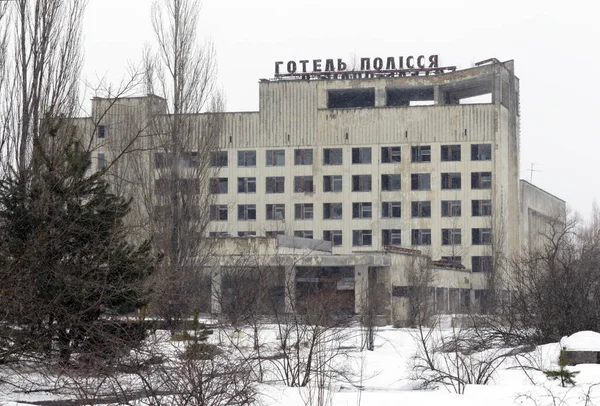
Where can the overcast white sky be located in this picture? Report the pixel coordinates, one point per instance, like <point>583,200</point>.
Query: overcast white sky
<point>554,45</point>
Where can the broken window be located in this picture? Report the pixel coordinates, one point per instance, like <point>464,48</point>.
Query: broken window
<point>275,211</point>
<point>481,236</point>
<point>362,238</point>
<point>246,158</point>
<point>101,161</point>
<point>451,208</point>
<point>246,212</point>
<point>218,212</point>
<point>218,159</point>
<point>361,183</point>
<point>332,211</point>
<point>303,211</point>
<point>334,236</point>
<point>276,157</point>
<point>451,236</point>
<point>246,185</point>
<point>332,156</point>
<point>420,153</point>
<point>303,234</point>
<point>420,181</point>
<point>450,153</point>
<point>453,258</point>
<point>101,131</point>
<point>219,186</point>
<point>361,210</point>
<point>275,184</point>
<point>391,209</point>
<point>303,157</point>
<point>414,96</point>
<point>481,152</point>
<point>481,180</point>
<point>391,237</point>
<point>420,209</point>
<point>390,182</point>
<point>361,155</point>
<point>273,234</point>
<point>481,208</point>
<point>350,98</point>
<point>451,180</point>
<point>246,233</point>
<point>391,155</point>
<point>303,184</point>
<point>420,236</point>
<point>481,263</point>
<point>332,183</point>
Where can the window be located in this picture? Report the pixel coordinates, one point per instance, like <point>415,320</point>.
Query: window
<point>303,157</point>
<point>246,158</point>
<point>276,157</point>
<point>481,236</point>
<point>218,212</point>
<point>334,236</point>
<point>391,155</point>
<point>246,233</point>
<point>362,238</point>
<point>101,131</point>
<point>190,159</point>
<point>332,183</point>
<point>420,209</point>
<point>350,98</point>
<point>451,236</point>
<point>481,208</point>
<point>454,259</point>
<point>420,236</point>
<point>219,186</point>
<point>421,153</point>
<point>332,156</point>
<point>391,237</point>
<point>361,210</point>
<point>450,153</point>
<point>273,234</point>
<point>303,211</point>
<point>218,234</point>
<point>246,185</point>
<point>303,184</point>
<point>246,212</point>
<point>101,161</point>
<point>361,183</point>
<point>163,160</point>
<point>391,210</point>
<point>275,184</point>
<point>481,180</point>
<point>481,152</point>
<point>218,159</point>
<point>275,211</point>
<point>303,234</point>
<point>420,181</point>
<point>390,182</point>
<point>451,208</point>
<point>332,211</point>
<point>451,180</point>
<point>361,155</point>
<point>481,263</point>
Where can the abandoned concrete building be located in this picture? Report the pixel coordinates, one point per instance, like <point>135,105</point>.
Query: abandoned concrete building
<point>342,180</point>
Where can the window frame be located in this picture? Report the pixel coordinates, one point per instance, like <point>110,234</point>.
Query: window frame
<point>217,161</point>
<point>362,183</point>
<point>449,181</point>
<point>479,181</point>
<point>391,155</point>
<point>420,236</point>
<point>388,209</point>
<point>247,209</point>
<point>275,209</point>
<point>328,210</point>
<point>246,182</point>
<point>302,209</point>
<point>391,235</point>
<point>275,157</point>
<point>303,234</point>
<point>387,183</point>
<point>481,207</point>
<point>329,155</point>
<point>362,238</point>
<point>275,184</point>
<point>416,181</point>
<point>481,152</point>
<point>422,206</point>
<point>332,236</point>
<point>481,236</point>
<point>331,181</point>
<point>451,153</point>
<point>362,155</point>
<point>216,211</point>
<point>301,156</point>
<point>244,156</point>
<point>449,208</point>
<point>300,184</point>
<point>451,236</point>
<point>362,210</point>
<point>216,184</point>
<point>420,153</point>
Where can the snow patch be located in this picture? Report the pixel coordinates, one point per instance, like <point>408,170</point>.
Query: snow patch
<point>582,341</point>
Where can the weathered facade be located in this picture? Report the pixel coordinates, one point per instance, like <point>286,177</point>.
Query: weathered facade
<point>367,164</point>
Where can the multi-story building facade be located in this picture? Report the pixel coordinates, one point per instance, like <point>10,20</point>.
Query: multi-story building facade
<point>374,160</point>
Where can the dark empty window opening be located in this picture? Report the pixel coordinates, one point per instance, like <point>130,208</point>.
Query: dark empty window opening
<point>409,97</point>
<point>350,98</point>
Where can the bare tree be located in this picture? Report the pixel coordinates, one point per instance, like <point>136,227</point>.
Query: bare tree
<point>178,201</point>
<point>420,278</point>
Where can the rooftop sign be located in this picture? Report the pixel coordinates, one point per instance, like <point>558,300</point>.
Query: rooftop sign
<point>369,67</point>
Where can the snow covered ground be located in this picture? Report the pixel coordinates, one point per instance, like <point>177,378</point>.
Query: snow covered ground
<point>386,377</point>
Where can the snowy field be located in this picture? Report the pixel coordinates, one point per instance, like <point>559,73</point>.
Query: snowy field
<point>387,376</point>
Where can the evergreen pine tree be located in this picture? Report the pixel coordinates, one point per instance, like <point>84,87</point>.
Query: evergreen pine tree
<point>565,376</point>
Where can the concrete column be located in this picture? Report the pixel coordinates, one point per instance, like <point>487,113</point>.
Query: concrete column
<point>438,96</point>
<point>290,289</point>
<point>215,290</point>
<point>361,284</point>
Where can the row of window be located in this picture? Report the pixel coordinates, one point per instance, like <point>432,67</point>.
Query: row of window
<point>360,155</point>
<point>360,210</point>
<point>360,183</point>
<point>393,237</point>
